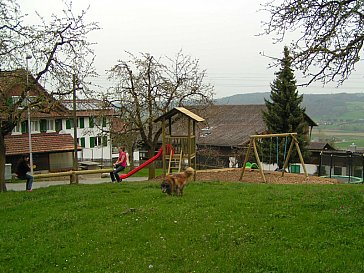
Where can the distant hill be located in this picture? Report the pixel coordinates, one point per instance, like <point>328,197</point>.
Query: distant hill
<point>341,106</point>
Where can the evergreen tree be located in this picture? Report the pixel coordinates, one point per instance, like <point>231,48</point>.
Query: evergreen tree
<point>284,111</point>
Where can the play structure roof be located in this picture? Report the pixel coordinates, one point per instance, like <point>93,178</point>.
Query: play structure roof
<point>180,110</point>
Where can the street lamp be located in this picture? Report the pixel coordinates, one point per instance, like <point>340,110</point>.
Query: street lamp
<point>28,57</point>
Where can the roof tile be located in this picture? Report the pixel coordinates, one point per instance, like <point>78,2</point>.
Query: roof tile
<point>41,143</point>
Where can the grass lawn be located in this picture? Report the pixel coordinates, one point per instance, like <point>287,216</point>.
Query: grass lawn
<point>214,227</point>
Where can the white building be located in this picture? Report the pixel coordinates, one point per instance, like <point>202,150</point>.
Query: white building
<point>93,129</point>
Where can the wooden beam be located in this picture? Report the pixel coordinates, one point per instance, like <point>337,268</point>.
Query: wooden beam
<point>258,160</point>
<point>273,135</point>
<point>246,159</point>
<point>72,173</point>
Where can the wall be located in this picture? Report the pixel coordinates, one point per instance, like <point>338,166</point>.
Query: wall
<point>60,161</point>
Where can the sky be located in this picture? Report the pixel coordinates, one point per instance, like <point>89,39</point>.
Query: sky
<point>222,35</point>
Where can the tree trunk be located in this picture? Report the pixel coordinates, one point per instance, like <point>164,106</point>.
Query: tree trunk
<point>2,164</point>
<point>151,173</point>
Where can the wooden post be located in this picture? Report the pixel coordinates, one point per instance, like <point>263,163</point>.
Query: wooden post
<point>164,147</point>
<point>258,160</point>
<point>288,156</point>
<point>246,158</point>
<point>194,148</point>
<point>300,155</point>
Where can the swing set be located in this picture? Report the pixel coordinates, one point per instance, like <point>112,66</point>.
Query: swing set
<point>253,144</point>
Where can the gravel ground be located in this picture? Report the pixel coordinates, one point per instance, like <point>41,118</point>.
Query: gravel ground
<point>254,176</point>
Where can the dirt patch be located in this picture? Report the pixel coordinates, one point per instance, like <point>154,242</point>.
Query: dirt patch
<point>254,176</point>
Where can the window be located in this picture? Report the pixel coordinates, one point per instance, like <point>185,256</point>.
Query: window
<point>103,122</point>
<point>34,126</point>
<point>17,128</point>
<point>98,141</point>
<point>24,127</point>
<point>101,141</point>
<point>58,125</point>
<point>50,125</point>
<point>15,99</point>
<point>43,125</point>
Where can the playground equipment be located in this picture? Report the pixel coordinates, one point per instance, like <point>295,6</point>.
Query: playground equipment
<point>345,166</point>
<point>182,138</point>
<point>253,144</point>
<point>146,163</point>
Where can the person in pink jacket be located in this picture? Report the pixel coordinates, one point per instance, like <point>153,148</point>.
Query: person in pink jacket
<point>119,165</point>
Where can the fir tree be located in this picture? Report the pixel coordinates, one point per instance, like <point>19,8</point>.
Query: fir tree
<point>284,111</point>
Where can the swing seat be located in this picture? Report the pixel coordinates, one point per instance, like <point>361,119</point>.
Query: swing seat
<point>254,166</point>
<point>248,165</point>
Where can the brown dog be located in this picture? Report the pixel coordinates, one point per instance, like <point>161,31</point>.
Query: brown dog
<point>174,183</point>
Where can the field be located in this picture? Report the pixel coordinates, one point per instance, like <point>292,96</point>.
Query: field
<point>341,138</point>
<point>214,227</point>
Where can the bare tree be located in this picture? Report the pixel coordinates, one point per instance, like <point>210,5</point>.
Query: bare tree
<point>58,49</point>
<point>331,35</point>
<point>146,87</point>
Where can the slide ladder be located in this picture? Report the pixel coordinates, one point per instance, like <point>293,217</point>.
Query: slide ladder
<point>175,162</point>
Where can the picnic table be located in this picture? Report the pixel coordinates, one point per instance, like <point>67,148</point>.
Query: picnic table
<point>89,165</point>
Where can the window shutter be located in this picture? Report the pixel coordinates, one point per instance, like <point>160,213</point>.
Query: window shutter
<point>91,122</point>
<point>68,124</point>
<point>83,143</point>
<point>82,123</point>
<point>104,141</point>
<point>92,142</point>
<point>58,124</point>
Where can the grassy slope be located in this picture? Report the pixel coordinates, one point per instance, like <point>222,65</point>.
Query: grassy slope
<point>215,227</point>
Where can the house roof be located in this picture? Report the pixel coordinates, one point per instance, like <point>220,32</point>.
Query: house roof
<point>320,146</point>
<point>232,125</point>
<point>88,108</point>
<point>13,83</point>
<point>180,110</point>
<point>41,143</point>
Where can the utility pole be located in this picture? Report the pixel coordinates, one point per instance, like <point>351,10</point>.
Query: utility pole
<point>28,57</point>
<point>75,144</point>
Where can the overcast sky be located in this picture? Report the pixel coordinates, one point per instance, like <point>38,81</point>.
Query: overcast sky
<point>221,34</point>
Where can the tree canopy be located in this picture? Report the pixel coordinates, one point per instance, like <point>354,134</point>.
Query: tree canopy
<point>146,87</point>
<point>55,49</point>
<point>330,35</point>
<point>284,111</point>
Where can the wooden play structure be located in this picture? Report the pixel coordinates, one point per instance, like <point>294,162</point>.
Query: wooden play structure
<point>179,131</point>
<point>253,145</point>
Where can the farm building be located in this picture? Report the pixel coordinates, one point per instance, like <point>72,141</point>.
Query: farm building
<point>224,137</point>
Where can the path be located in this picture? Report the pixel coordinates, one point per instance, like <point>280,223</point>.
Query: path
<point>84,180</point>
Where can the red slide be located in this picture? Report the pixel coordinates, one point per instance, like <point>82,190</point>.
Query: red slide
<point>146,163</point>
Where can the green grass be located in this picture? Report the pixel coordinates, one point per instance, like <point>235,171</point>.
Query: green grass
<point>214,227</point>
